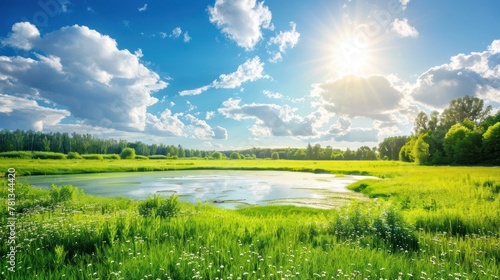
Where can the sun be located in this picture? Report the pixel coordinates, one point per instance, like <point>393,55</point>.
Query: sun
<point>351,58</point>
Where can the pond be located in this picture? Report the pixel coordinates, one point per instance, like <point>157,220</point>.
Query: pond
<point>223,188</point>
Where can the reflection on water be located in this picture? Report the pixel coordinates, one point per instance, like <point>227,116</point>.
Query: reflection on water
<point>223,188</point>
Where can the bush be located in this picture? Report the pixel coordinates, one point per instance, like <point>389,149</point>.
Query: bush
<point>93,156</point>
<point>141,157</point>
<point>74,155</point>
<point>275,155</point>
<point>48,155</point>
<point>65,193</point>
<point>16,154</point>
<point>128,153</point>
<point>111,156</point>
<point>391,228</point>
<point>161,207</point>
<point>158,157</point>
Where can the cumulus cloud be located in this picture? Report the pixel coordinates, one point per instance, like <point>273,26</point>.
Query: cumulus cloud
<point>24,35</point>
<point>27,114</point>
<point>176,32</point>
<point>186,37</point>
<point>279,120</point>
<point>476,74</point>
<point>354,96</point>
<point>167,124</point>
<point>403,28</point>
<point>202,130</point>
<point>251,70</point>
<point>284,41</point>
<point>241,20</point>
<point>83,70</point>
<point>273,95</point>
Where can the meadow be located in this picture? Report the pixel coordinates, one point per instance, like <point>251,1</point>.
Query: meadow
<point>422,222</point>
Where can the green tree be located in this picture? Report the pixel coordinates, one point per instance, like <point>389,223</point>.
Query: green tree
<point>491,143</point>
<point>275,155</point>
<point>128,153</point>
<point>459,109</point>
<point>217,155</point>
<point>462,146</point>
<point>391,146</point>
<point>235,155</point>
<point>421,123</point>
<point>405,154</point>
<point>309,151</point>
<point>420,150</point>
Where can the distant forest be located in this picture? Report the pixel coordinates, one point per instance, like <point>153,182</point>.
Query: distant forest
<point>65,143</point>
<point>465,133</point>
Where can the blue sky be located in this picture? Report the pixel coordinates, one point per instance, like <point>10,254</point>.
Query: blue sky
<point>223,74</point>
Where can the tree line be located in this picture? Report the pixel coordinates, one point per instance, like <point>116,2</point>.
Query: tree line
<point>464,133</point>
<point>65,143</point>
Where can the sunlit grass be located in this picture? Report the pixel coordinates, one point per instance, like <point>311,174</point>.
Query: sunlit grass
<point>421,223</point>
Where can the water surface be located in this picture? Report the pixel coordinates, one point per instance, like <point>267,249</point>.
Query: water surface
<point>223,188</point>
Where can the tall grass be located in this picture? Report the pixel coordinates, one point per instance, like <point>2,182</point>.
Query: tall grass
<point>422,223</point>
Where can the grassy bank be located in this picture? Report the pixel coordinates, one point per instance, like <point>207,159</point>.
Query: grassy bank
<point>423,222</point>
<point>71,166</point>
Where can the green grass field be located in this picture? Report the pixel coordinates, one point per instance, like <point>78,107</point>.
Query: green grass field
<point>421,223</point>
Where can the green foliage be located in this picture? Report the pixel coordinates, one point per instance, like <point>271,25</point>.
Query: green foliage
<point>16,154</point>
<point>420,150</point>
<point>48,155</point>
<point>217,155</point>
<point>457,232</point>
<point>93,157</point>
<point>158,157</point>
<point>491,143</point>
<point>462,146</point>
<point>74,155</point>
<point>160,206</point>
<point>64,193</point>
<point>389,148</point>
<point>405,154</point>
<point>141,157</point>
<point>391,228</point>
<point>111,156</point>
<point>275,156</point>
<point>235,155</point>
<point>127,153</point>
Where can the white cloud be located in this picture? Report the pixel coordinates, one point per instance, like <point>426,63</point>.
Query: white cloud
<point>25,114</point>
<point>403,28</point>
<point>24,35</point>
<point>404,3</point>
<point>476,74</point>
<point>191,107</point>
<point>241,20</point>
<point>167,124</point>
<point>186,37</point>
<point>280,120</point>
<point>202,130</point>
<point>209,115</point>
<point>274,95</point>
<point>143,8</point>
<point>176,32</point>
<point>84,71</point>
<point>354,96</point>
<point>287,39</point>
<point>195,91</point>
<point>249,71</point>
<point>359,135</point>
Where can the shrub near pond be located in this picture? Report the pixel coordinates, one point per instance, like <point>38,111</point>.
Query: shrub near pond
<point>159,206</point>
<point>128,153</point>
